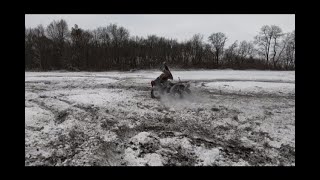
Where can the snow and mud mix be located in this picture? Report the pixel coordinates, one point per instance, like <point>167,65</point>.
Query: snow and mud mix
<point>232,118</point>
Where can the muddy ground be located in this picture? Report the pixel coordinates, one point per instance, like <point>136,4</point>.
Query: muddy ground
<point>112,121</point>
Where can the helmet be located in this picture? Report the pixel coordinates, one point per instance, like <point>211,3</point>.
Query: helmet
<point>164,66</point>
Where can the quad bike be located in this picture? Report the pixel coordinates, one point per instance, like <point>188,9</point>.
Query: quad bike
<point>179,89</point>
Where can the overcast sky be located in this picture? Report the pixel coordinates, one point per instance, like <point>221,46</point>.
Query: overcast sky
<point>181,27</point>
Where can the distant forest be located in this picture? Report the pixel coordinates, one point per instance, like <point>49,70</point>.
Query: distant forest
<point>56,47</point>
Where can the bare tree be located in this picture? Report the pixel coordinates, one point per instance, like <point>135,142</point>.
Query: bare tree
<point>103,35</point>
<point>267,40</point>
<point>37,47</point>
<point>289,56</point>
<point>263,40</point>
<point>80,46</point>
<point>245,50</point>
<point>230,53</point>
<point>276,35</point>
<point>196,49</point>
<point>218,41</point>
<point>58,32</point>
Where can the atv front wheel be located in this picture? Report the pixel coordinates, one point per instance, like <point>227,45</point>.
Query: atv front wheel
<point>155,94</point>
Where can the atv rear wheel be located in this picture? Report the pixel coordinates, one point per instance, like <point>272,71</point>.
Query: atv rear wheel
<point>176,91</point>
<point>187,91</point>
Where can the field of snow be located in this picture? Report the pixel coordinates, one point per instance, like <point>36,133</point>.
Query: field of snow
<point>232,118</point>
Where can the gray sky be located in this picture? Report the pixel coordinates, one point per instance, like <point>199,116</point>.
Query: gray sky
<point>181,27</point>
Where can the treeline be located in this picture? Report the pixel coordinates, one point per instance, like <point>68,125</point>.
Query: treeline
<point>56,47</point>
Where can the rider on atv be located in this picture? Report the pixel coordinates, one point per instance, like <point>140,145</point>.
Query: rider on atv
<point>163,78</point>
<point>162,85</point>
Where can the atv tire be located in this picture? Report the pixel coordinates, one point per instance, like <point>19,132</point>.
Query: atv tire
<point>155,94</point>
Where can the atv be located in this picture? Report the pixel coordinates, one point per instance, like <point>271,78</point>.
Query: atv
<point>178,90</point>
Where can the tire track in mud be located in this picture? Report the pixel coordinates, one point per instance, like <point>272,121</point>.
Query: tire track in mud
<point>233,149</point>
<point>70,143</point>
<point>61,115</point>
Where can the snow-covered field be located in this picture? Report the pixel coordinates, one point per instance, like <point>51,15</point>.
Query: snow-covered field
<point>232,118</point>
